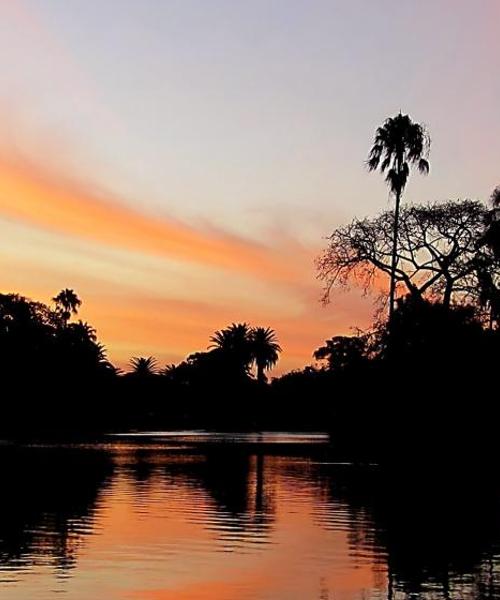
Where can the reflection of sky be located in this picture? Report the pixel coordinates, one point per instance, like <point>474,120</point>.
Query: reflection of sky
<point>133,520</point>
<point>151,149</point>
<point>165,537</point>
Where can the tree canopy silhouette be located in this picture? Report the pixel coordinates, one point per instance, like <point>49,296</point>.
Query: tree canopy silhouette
<point>343,352</point>
<point>64,361</point>
<point>233,344</point>
<point>239,345</point>
<point>439,252</point>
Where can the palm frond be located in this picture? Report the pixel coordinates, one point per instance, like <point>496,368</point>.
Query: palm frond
<point>423,166</point>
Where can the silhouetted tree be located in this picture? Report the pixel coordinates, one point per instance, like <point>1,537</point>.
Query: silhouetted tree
<point>234,345</point>
<point>488,257</point>
<point>81,350</point>
<point>438,253</point>
<point>44,357</point>
<point>168,370</point>
<point>302,399</point>
<point>265,350</point>
<point>342,352</point>
<point>67,303</point>
<point>398,144</point>
<point>201,368</point>
<point>143,366</point>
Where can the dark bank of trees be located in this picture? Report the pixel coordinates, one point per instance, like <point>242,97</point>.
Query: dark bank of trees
<point>53,370</point>
<point>57,379</point>
<point>224,386</point>
<point>418,382</point>
<point>421,380</point>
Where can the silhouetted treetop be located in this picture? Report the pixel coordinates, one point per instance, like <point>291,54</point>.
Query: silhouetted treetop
<point>234,338</point>
<point>43,356</point>
<point>342,352</point>
<point>265,350</point>
<point>143,366</point>
<point>67,303</point>
<point>241,345</point>
<point>398,144</point>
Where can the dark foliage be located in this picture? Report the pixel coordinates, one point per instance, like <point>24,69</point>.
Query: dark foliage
<point>54,372</point>
<point>416,386</point>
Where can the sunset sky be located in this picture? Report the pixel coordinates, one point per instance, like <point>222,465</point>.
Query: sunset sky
<point>179,163</point>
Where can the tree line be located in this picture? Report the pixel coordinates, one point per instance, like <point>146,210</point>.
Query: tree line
<point>60,378</point>
<point>418,380</point>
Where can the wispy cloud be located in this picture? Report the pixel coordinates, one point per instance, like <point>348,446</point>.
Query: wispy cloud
<point>38,196</point>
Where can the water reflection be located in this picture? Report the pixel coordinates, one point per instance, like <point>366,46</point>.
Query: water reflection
<point>48,503</point>
<point>440,532</point>
<point>238,495</point>
<point>205,521</point>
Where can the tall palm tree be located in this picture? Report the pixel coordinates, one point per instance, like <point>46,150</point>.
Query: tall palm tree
<point>67,303</point>
<point>399,143</point>
<point>143,366</point>
<point>265,350</point>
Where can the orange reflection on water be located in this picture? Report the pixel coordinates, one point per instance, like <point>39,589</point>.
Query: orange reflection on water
<point>160,524</point>
<point>193,543</point>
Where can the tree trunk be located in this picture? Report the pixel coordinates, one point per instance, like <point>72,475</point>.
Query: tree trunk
<point>447,295</point>
<point>392,293</point>
<point>261,377</point>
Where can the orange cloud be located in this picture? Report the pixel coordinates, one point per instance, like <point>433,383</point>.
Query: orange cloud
<point>36,196</point>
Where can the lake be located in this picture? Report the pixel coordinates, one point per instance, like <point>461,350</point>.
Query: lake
<point>193,516</point>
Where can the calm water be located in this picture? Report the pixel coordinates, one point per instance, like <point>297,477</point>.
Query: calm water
<point>193,517</point>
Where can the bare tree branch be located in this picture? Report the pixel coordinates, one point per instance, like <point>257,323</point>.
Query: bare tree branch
<point>437,256</point>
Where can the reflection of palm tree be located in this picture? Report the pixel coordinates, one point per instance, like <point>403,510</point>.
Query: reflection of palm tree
<point>324,593</point>
<point>398,144</point>
<point>265,350</point>
<point>66,483</point>
<point>67,303</point>
<point>259,482</point>
<point>143,366</point>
